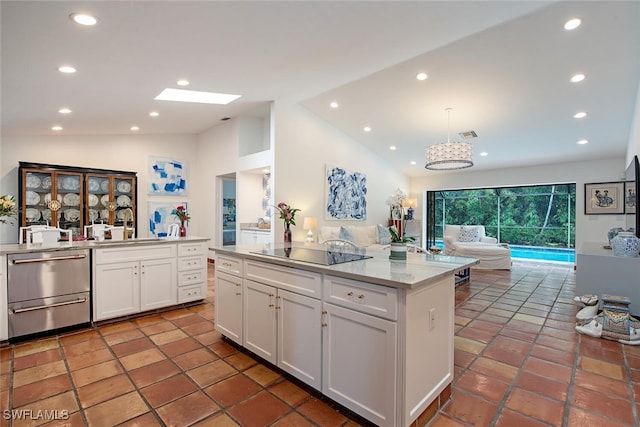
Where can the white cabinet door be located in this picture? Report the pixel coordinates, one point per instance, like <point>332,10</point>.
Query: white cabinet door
<point>260,320</point>
<point>158,284</point>
<point>359,363</point>
<point>229,306</point>
<point>300,336</point>
<point>116,290</point>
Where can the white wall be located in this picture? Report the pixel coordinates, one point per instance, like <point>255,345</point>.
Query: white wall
<point>633,147</point>
<point>119,152</point>
<point>588,227</point>
<point>304,145</point>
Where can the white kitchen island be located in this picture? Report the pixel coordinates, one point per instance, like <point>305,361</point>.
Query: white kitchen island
<point>374,335</point>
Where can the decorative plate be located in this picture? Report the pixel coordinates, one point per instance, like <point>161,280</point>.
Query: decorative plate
<point>104,200</point>
<point>120,215</point>
<point>94,185</point>
<point>71,199</point>
<point>71,183</point>
<point>46,183</point>
<point>123,201</point>
<point>33,181</point>
<point>93,200</point>
<point>104,186</point>
<point>93,214</point>
<point>123,186</point>
<point>32,197</point>
<point>46,215</point>
<point>72,214</point>
<point>32,214</point>
<point>104,214</point>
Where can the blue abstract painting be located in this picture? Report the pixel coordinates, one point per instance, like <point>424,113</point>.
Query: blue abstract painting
<point>167,177</point>
<point>161,216</point>
<point>346,194</point>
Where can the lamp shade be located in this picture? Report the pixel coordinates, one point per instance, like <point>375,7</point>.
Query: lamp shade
<point>310,223</point>
<point>410,203</point>
<point>449,155</point>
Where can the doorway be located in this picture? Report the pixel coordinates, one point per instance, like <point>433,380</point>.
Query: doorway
<point>228,210</point>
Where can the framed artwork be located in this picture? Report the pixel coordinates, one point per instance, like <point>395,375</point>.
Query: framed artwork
<point>630,200</point>
<point>160,217</point>
<point>346,194</point>
<point>167,177</point>
<point>603,198</point>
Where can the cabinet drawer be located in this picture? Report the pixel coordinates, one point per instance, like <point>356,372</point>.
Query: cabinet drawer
<point>124,253</point>
<point>188,249</point>
<point>191,277</point>
<point>292,279</point>
<point>229,264</point>
<point>192,263</point>
<point>190,293</point>
<point>378,300</point>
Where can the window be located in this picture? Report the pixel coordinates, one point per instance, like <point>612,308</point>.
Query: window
<point>542,215</point>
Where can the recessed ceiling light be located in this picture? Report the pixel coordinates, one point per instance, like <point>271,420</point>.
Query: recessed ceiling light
<point>67,69</point>
<point>580,115</point>
<point>484,154</point>
<point>577,78</point>
<point>421,76</point>
<point>412,162</point>
<point>134,128</point>
<point>64,111</point>
<point>154,114</point>
<point>56,128</point>
<point>83,19</point>
<point>334,104</point>
<point>182,95</point>
<point>366,129</point>
<point>392,147</point>
<point>572,24</point>
<point>583,141</point>
<point>183,82</point>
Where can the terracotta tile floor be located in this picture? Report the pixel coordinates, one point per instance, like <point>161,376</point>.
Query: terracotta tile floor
<point>518,362</point>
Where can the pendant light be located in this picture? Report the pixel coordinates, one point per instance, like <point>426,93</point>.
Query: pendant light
<point>449,155</point>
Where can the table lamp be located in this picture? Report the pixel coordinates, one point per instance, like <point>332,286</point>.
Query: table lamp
<point>310,223</point>
<point>410,203</point>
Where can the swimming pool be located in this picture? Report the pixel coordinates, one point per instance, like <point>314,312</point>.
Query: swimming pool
<point>537,253</point>
<point>543,254</point>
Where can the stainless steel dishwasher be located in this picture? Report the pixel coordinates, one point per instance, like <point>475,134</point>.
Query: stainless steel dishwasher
<point>48,290</point>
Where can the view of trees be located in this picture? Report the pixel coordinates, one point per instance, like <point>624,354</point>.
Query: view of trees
<point>533,216</point>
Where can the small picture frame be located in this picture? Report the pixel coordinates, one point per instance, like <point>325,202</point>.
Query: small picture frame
<point>630,197</point>
<point>604,198</point>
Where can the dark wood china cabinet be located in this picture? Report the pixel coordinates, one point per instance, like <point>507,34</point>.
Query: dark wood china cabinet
<point>71,197</point>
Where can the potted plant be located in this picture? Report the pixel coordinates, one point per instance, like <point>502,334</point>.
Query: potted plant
<point>398,244</point>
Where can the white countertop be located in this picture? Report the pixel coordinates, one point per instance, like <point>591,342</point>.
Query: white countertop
<point>418,270</point>
<point>92,244</point>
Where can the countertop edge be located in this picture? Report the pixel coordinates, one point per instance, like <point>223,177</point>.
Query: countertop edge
<point>89,244</point>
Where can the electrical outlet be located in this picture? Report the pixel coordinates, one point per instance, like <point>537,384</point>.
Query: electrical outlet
<point>432,318</point>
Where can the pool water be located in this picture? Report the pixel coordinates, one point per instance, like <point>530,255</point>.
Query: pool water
<point>537,253</point>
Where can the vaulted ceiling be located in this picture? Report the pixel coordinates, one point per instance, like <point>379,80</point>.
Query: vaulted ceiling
<point>503,67</point>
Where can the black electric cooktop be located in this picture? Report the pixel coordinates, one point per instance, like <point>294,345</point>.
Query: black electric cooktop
<point>314,256</point>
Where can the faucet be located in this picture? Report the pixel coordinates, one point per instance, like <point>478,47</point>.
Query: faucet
<point>125,232</point>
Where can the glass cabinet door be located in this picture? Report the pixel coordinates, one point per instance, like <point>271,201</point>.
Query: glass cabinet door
<point>37,189</point>
<point>98,197</point>
<point>123,192</point>
<point>69,195</point>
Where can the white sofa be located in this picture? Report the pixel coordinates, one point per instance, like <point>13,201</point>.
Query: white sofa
<point>471,241</point>
<point>364,236</point>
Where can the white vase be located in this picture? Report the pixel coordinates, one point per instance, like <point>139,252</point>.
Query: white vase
<point>398,250</point>
<point>625,244</point>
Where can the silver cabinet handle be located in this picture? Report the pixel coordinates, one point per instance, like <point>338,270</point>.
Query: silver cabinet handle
<point>42,307</point>
<point>59,258</point>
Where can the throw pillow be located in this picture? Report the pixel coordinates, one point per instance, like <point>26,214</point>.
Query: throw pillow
<point>469,234</point>
<point>384,237</point>
<point>346,234</point>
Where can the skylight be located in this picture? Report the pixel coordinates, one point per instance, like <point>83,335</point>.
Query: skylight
<point>182,95</point>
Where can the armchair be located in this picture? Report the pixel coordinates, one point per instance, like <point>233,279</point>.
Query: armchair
<point>471,241</point>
